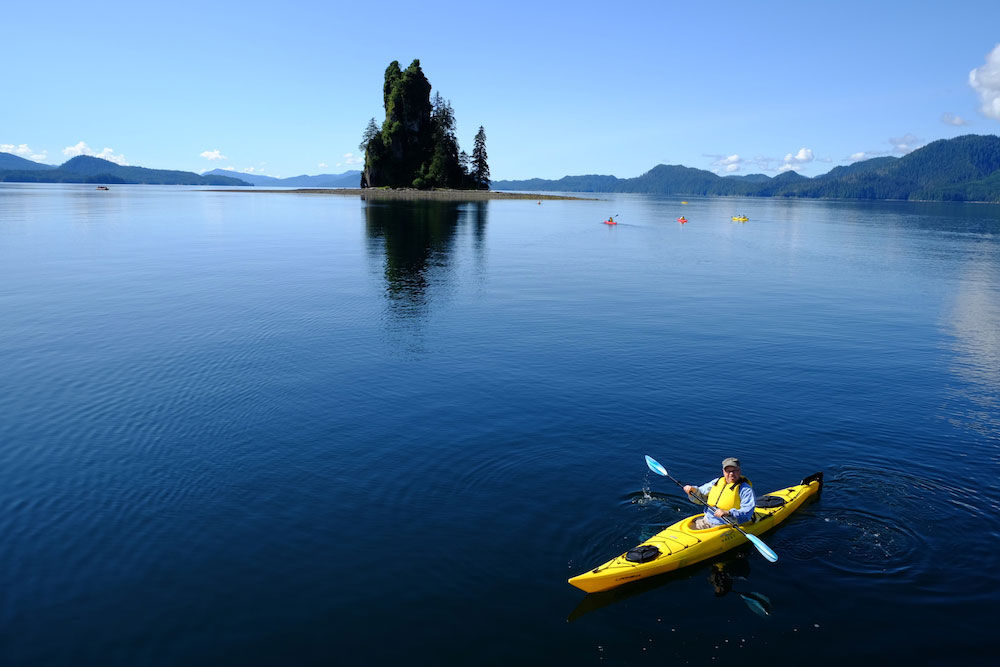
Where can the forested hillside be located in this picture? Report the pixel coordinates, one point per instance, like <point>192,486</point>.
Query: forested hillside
<point>965,168</point>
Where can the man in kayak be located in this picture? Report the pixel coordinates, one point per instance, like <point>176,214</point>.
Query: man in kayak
<point>728,496</point>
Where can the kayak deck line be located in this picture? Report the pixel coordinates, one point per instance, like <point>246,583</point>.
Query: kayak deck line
<point>680,544</point>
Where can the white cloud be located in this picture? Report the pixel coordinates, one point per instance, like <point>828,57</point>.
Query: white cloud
<point>948,118</point>
<point>73,151</point>
<point>866,155</point>
<point>322,165</point>
<point>351,160</point>
<point>22,150</point>
<point>794,161</point>
<point>726,163</point>
<point>213,155</point>
<point>15,150</point>
<point>804,156</point>
<point>108,154</point>
<point>83,149</point>
<point>900,146</point>
<point>985,80</point>
<point>906,144</point>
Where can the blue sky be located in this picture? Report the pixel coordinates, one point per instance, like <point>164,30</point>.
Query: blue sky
<point>561,88</point>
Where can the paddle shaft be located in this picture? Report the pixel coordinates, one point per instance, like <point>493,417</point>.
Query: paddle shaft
<point>765,551</point>
<point>724,518</point>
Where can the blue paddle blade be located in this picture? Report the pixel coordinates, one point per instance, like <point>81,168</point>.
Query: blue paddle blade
<point>764,550</point>
<point>758,603</point>
<point>656,467</point>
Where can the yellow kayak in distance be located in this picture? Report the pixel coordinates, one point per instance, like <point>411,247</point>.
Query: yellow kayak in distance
<point>740,218</point>
<point>680,545</point>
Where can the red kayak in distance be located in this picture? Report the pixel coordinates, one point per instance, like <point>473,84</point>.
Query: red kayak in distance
<point>610,221</point>
<point>682,220</point>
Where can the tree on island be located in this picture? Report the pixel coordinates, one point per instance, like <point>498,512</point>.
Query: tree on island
<point>480,169</point>
<point>416,146</point>
<point>464,161</point>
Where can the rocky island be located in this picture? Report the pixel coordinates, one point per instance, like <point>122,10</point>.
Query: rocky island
<point>416,146</point>
<point>441,194</point>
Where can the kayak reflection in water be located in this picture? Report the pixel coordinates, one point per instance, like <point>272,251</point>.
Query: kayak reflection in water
<point>722,574</point>
<point>725,572</point>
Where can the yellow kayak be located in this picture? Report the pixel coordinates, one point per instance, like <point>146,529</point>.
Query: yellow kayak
<point>680,545</point>
<point>740,218</point>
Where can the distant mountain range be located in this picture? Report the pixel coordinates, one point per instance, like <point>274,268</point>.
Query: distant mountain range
<point>348,179</point>
<point>86,169</point>
<point>13,162</point>
<point>965,168</point>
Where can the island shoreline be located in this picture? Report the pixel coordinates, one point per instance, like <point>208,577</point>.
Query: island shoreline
<point>413,194</point>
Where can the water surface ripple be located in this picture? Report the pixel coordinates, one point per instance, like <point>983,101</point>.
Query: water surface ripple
<point>270,429</point>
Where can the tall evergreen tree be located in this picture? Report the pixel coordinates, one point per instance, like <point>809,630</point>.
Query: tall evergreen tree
<point>371,146</point>
<point>480,168</point>
<point>444,170</point>
<point>464,162</point>
<point>370,133</point>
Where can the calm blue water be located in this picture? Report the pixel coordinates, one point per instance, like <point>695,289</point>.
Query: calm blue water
<point>282,429</point>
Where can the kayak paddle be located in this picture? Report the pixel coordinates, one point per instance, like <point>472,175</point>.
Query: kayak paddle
<point>764,550</point>
<point>758,603</point>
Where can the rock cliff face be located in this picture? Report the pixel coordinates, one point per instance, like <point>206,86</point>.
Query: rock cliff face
<point>394,156</point>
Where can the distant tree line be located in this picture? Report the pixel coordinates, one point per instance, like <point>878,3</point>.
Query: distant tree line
<point>416,146</point>
<point>965,168</point>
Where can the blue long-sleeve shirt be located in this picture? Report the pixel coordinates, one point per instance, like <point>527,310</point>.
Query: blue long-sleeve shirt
<point>747,504</point>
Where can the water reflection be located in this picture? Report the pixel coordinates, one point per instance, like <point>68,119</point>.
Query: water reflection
<point>974,321</point>
<point>417,243</point>
<point>726,574</point>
